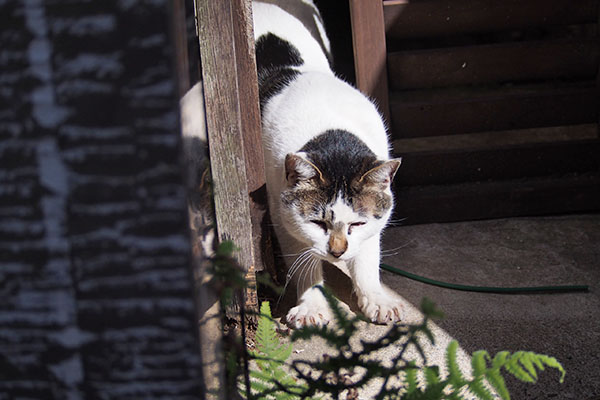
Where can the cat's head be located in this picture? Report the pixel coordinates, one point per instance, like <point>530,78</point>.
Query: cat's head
<point>335,209</point>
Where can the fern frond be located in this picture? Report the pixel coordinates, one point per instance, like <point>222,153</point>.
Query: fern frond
<point>479,363</point>
<point>434,387</point>
<point>478,388</point>
<point>500,359</point>
<point>455,376</point>
<point>411,377</point>
<point>270,355</point>
<point>522,365</point>
<point>514,367</point>
<point>432,376</point>
<point>530,364</point>
<point>494,377</point>
<point>552,363</point>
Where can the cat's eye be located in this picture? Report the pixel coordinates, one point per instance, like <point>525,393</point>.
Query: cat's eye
<point>321,224</point>
<point>354,225</point>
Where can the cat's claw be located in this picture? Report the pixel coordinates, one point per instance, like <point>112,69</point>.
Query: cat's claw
<point>381,309</point>
<point>303,315</point>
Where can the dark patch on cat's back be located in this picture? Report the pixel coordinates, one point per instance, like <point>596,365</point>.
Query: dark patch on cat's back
<point>275,52</point>
<point>275,59</point>
<point>272,82</point>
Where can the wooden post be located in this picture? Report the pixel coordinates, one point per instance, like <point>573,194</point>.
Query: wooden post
<point>178,28</point>
<point>200,213</point>
<point>368,38</point>
<point>229,76</point>
<point>252,141</point>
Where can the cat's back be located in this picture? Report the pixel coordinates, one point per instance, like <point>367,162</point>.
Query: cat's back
<point>291,26</point>
<point>300,95</point>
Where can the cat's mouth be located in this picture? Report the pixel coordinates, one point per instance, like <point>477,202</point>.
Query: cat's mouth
<point>329,257</point>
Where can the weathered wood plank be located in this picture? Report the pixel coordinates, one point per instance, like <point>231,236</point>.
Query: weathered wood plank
<point>497,139</point>
<point>410,19</point>
<point>368,38</point>
<point>498,199</point>
<point>223,66</point>
<point>498,63</point>
<point>499,163</point>
<point>458,111</point>
<point>252,141</point>
<point>200,207</point>
<point>224,125</point>
<point>202,234</point>
<point>179,29</point>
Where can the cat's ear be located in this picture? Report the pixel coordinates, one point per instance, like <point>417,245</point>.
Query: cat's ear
<point>383,174</point>
<point>299,168</point>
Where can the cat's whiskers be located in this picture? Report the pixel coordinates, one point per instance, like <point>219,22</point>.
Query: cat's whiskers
<point>294,254</point>
<point>395,250</point>
<point>396,222</point>
<point>310,269</point>
<point>305,256</point>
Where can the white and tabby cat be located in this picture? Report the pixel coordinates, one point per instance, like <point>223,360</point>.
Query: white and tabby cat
<point>327,163</point>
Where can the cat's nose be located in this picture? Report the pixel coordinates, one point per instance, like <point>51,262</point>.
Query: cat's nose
<point>336,253</point>
<point>337,244</point>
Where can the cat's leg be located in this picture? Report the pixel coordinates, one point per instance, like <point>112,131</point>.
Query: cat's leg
<point>306,274</point>
<point>312,308</point>
<point>373,300</point>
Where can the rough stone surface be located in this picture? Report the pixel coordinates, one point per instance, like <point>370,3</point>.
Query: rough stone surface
<point>513,252</point>
<point>505,252</point>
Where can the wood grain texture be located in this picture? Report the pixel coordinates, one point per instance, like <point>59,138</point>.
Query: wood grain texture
<point>368,38</point>
<point>224,125</point>
<point>231,100</point>
<point>251,130</point>
<point>501,163</point>
<point>180,42</point>
<point>498,199</point>
<point>438,113</point>
<point>410,19</point>
<point>496,63</point>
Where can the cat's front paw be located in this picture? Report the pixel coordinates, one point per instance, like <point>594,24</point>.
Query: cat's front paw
<point>308,314</point>
<point>381,308</point>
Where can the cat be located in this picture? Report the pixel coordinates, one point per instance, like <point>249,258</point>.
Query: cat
<point>327,161</point>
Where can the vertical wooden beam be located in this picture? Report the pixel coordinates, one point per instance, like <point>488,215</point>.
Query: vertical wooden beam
<point>368,38</point>
<point>598,74</point>
<point>252,141</point>
<point>200,213</point>
<point>179,30</point>
<point>226,60</point>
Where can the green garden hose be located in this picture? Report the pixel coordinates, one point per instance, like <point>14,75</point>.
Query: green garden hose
<point>488,289</point>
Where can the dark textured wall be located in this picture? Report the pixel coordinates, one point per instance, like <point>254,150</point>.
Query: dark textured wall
<point>95,295</point>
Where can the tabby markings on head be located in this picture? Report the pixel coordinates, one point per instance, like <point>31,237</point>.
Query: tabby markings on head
<point>344,167</point>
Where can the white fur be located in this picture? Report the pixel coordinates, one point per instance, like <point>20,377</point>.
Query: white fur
<point>317,101</point>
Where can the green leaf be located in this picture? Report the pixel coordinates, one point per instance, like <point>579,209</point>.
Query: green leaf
<point>497,381</point>
<point>553,362</point>
<point>226,248</point>
<point>411,377</point>
<point>270,356</point>
<point>478,388</point>
<point>529,366</point>
<point>512,365</point>
<point>522,365</point>
<point>432,376</point>
<point>500,359</point>
<point>479,362</point>
<point>455,377</point>
<point>430,310</point>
